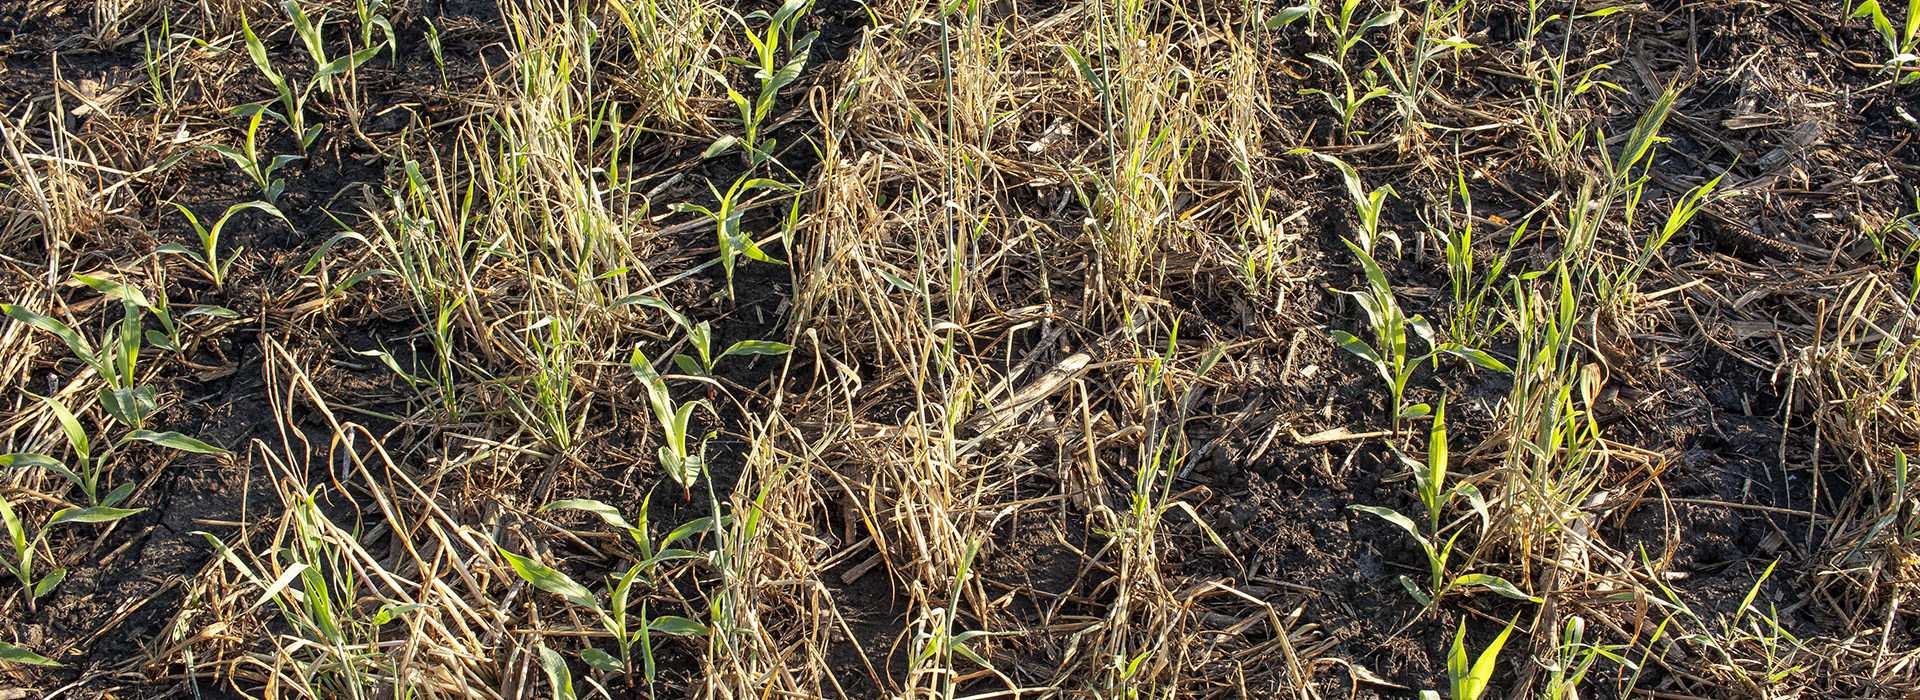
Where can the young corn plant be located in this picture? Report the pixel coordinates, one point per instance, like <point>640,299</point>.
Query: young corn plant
<point>700,336</point>
<point>770,71</point>
<point>1430,484</point>
<point>681,464</point>
<point>1903,46</point>
<point>1389,354</point>
<point>293,101</point>
<point>115,361</point>
<point>1346,35</point>
<point>627,630</point>
<point>1367,205</point>
<point>1470,681</point>
<point>207,259</point>
<point>90,467</point>
<point>263,172</point>
<point>733,242</point>
<point>25,548</point>
<point>310,32</point>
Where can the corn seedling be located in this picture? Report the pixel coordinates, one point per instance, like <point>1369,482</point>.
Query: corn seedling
<point>733,242</point>
<point>1470,681</point>
<point>626,629</point>
<point>769,70</point>
<point>208,260</point>
<point>309,31</point>
<point>168,336</point>
<point>1430,485</point>
<point>682,465</point>
<point>91,467</point>
<point>13,654</point>
<point>263,172</point>
<point>1389,354</point>
<point>26,548</point>
<point>1901,45</point>
<point>700,336</point>
<point>372,15</point>
<point>115,360</point>
<point>1345,35</point>
<point>1367,205</point>
<point>293,102</point>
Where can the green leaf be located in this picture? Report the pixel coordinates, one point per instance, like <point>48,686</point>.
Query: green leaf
<point>606,512</point>
<point>1483,666</point>
<point>757,347</point>
<point>1495,584</point>
<point>653,303</point>
<point>1478,357</point>
<point>175,441</point>
<point>677,626</point>
<point>50,582</point>
<point>129,406</point>
<point>214,311</point>
<point>1391,516</point>
<point>96,514</point>
<point>14,654</point>
<point>688,529</point>
<point>601,661</point>
<point>70,425</point>
<point>720,145</point>
<point>49,324</point>
<point>118,494</point>
<point>115,289</point>
<point>1356,346</point>
<point>1286,15</point>
<point>557,674</point>
<point>548,580</point>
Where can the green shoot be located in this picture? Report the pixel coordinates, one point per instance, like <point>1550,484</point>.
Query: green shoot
<point>1389,354</point>
<point>733,242</point>
<point>625,632</point>
<point>1430,485</point>
<point>25,547</point>
<point>1469,682</point>
<point>115,360</point>
<point>772,74</point>
<point>1367,205</point>
<point>626,629</point>
<point>262,172</point>
<point>1901,45</point>
<point>207,260</point>
<point>682,465</point>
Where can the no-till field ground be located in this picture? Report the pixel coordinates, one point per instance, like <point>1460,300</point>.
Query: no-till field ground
<point>1064,338</point>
